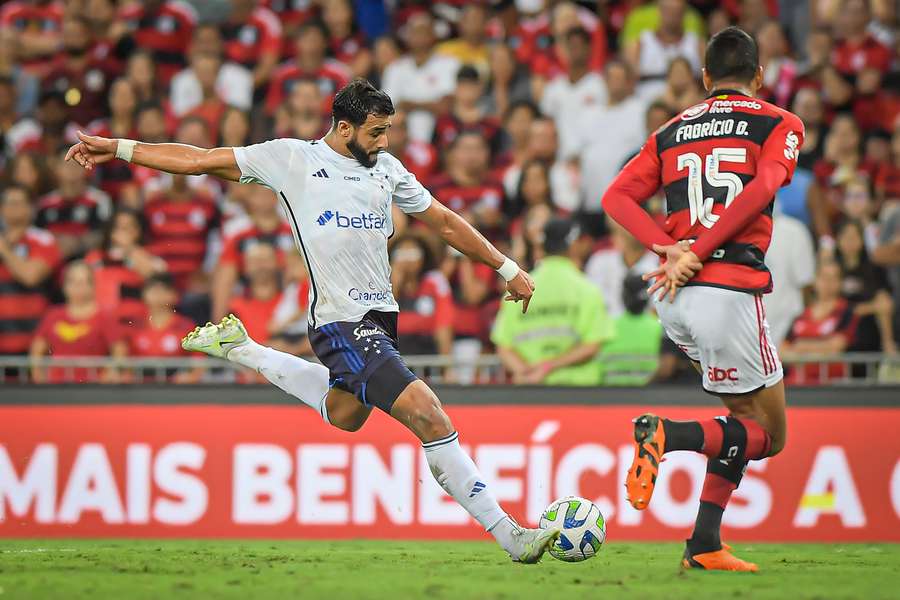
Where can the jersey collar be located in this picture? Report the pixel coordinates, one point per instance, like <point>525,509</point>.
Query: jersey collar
<point>727,92</point>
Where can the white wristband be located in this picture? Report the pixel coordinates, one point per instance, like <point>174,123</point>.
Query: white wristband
<point>508,270</point>
<point>125,149</point>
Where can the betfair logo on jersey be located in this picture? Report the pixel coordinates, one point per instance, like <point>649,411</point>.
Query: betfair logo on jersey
<point>364,221</point>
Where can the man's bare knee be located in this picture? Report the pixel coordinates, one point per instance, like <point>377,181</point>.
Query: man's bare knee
<point>420,410</point>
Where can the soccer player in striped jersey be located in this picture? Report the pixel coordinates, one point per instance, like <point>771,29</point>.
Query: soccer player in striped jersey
<point>720,163</point>
<point>338,192</point>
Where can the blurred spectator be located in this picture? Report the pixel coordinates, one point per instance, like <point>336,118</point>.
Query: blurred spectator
<point>290,15</point>
<point>36,25</point>
<point>420,158</point>
<point>288,325</point>
<point>192,130</point>
<point>887,253</point>
<point>345,40</point>
<point>791,259</point>
<point>557,340</point>
<point>808,106</point>
<point>301,116</point>
<point>470,47</point>
<point>159,335</point>
<point>253,38</point>
<point>50,132</point>
<point>609,268</point>
<point>682,86</point>
<point>857,51</point>
<point>265,225</point>
<point>310,62</point>
<point>509,83</point>
<point>75,213</point>
<point>263,292</point>
<point>516,135</point>
<point>235,128</point>
<point>887,180</point>
<point>467,113</point>
<point>120,266</point>
<point>476,291</point>
<point>864,285</point>
<point>80,327</point>
<point>29,170</point>
<point>631,357</point>
<point>422,81</point>
<point>180,220</point>
<point>646,16</point>
<point>426,304</point>
<point>621,119</point>
<point>543,145</point>
<point>231,83</point>
<point>75,73</point>
<point>385,50</point>
<point>567,96</point>
<point>121,116</point>
<point>842,162</point>
<point>28,257</point>
<point>141,72</point>
<point>827,327</point>
<point>162,27</point>
<point>818,73</point>
<point>651,52</point>
<point>23,85</point>
<point>549,50</point>
<point>468,188</point>
<point>779,69</point>
<point>211,107</point>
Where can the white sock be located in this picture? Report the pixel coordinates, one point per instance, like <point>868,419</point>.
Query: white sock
<point>458,475</point>
<point>300,378</point>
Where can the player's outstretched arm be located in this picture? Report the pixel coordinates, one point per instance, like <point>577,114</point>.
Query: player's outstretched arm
<point>180,159</point>
<point>457,232</point>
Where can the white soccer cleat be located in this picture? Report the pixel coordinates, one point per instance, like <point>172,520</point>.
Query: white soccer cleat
<point>529,545</point>
<point>216,339</point>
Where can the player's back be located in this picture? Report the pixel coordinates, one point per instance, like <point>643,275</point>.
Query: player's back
<point>707,155</point>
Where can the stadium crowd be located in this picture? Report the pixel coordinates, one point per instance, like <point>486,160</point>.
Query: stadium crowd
<point>517,114</point>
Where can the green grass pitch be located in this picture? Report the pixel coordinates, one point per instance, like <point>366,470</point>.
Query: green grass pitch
<point>133,570</point>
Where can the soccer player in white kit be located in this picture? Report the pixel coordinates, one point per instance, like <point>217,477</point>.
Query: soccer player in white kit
<point>337,193</point>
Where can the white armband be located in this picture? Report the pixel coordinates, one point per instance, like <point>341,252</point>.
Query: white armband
<point>508,270</point>
<point>125,149</point>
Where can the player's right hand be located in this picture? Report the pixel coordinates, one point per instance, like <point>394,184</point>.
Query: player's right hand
<point>92,150</point>
<point>680,266</point>
<point>520,287</point>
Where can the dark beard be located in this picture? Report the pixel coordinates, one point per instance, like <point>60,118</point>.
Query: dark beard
<point>360,154</point>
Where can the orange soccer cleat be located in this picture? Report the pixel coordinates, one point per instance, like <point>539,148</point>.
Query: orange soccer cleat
<point>720,560</point>
<point>649,445</point>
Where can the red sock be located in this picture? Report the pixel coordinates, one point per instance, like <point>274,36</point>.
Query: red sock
<point>717,490</point>
<point>725,433</point>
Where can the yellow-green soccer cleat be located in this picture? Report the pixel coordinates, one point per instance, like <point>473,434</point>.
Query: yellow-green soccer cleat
<point>216,339</point>
<point>532,544</point>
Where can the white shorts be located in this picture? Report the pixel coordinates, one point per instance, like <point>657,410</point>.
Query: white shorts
<point>727,333</point>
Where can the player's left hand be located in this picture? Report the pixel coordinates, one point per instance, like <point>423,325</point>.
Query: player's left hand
<point>680,266</point>
<point>520,287</point>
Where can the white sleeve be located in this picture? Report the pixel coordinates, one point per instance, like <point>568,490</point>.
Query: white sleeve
<point>266,163</point>
<point>409,195</point>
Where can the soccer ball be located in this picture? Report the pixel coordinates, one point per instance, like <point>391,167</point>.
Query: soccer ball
<point>581,525</point>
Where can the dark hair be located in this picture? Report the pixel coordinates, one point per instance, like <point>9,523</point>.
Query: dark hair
<point>148,105</point>
<point>517,104</point>
<point>518,206</point>
<point>11,187</point>
<point>732,54</point>
<point>559,233</point>
<point>634,294</point>
<point>164,279</point>
<point>137,215</point>
<point>578,32</point>
<point>7,81</point>
<point>429,261</point>
<point>467,73</point>
<point>357,100</point>
<point>313,25</point>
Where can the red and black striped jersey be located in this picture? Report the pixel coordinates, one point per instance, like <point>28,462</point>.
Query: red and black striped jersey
<point>702,159</point>
<point>166,33</point>
<point>179,231</point>
<point>76,216</point>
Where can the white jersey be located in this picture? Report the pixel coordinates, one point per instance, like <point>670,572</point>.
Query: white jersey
<point>340,212</point>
